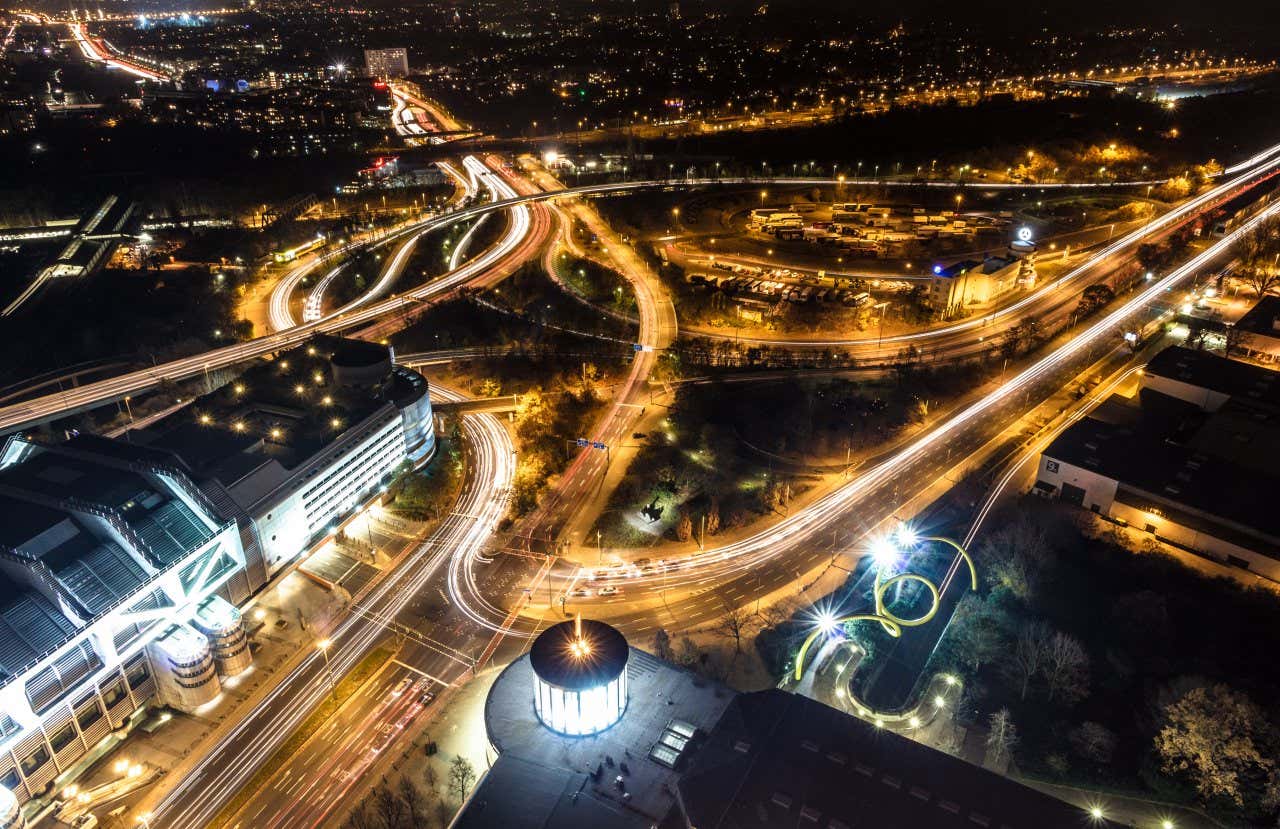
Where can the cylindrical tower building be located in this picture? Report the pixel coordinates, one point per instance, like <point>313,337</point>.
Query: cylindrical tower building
<point>579,677</point>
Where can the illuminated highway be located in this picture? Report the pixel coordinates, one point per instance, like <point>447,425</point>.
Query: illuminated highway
<point>918,461</point>
<point>453,547</point>
<point>93,50</point>
<point>87,396</point>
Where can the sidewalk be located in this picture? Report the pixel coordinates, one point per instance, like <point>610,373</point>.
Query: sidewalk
<point>174,741</point>
<point>456,726</point>
<point>283,622</point>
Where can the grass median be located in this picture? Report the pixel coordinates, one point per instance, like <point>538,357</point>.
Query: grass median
<point>346,688</point>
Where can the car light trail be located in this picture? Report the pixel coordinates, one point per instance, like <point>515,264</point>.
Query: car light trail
<point>743,555</point>
<point>454,544</point>
<point>43,408</point>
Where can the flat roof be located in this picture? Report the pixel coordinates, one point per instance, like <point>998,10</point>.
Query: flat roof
<point>285,409</point>
<point>1167,471</point>
<point>1248,382</point>
<point>778,759</point>
<point>658,694</point>
<point>518,793</point>
<point>1261,318</point>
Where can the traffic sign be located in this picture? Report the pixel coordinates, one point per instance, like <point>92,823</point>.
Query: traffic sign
<point>582,441</point>
<point>595,444</point>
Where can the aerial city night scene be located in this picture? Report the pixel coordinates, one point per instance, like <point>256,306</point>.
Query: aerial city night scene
<point>639,414</point>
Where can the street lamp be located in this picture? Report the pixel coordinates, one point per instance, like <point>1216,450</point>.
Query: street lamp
<point>324,645</point>
<point>887,552</point>
<point>144,820</point>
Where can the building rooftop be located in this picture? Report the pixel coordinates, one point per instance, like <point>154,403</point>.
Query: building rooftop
<point>554,659</point>
<point>252,433</point>
<point>30,626</point>
<point>1167,471</point>
<point>65,475</point>
<point>1244,381</point>
<point>1262,318</point>
<point>770,759</point>
<point>578,775</point>
<point>778,759</point>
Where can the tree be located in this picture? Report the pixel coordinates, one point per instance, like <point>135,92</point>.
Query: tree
<point>688,654</point>
<point>389,808</point>
<point>1093,298</point>
<point>1259,252</point>
<point>713,517</point>
<point>731,625</point>
<point>1066,668</point>
<point>684,527</point>
<point>1014,556</point>
<point>415,805</point>
<point>433,783</point>
<point>1002,736</point>
<point>362,817</point>
<point>1093,741</point>
<point>1261,277</point>
<point>461,777</point>
<point>662,645</point>
<point>978,634</point>
<point>1029,653</point>
<point>1215,736</point>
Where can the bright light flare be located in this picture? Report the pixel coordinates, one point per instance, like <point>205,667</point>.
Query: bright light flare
<point>885,553</point>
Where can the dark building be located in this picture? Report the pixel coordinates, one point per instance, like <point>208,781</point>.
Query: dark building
<point>690,753</point>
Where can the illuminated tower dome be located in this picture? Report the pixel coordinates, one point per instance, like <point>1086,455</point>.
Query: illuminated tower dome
<point>579,677</point>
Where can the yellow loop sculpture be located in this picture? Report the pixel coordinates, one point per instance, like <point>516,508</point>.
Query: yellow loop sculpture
<point>892,623</point>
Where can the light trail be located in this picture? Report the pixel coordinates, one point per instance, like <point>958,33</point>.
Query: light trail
<point>455,544</point>
<point>93,52</point>
<point>43,408</point>
<point>281,317</point>
<point>743,555</point>
<point>460,250</point>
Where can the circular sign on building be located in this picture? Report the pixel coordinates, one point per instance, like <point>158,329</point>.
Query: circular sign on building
<point>1024,234</point>
<point>579,677</point>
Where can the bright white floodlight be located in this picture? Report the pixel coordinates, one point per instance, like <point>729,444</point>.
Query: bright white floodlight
<point>885,552</point>
<point>907,537</point>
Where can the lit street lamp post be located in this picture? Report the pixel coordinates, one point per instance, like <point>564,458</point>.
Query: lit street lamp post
<point>324,645</point>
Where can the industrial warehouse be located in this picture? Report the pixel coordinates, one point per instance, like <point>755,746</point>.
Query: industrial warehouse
<point>1185,462</point>
<point>122,561</point>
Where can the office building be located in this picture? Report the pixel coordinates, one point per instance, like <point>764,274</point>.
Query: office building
<point>106,552</point>
<point>122,562</point>
<point>298,442</point>
<point>386,64</point>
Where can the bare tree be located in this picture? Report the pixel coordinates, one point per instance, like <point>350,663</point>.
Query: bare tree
<point>433,782</point>
<point>1030,651</point>
<point>462,775</point>
<point>662,645</point>
<point>1002,736</point>
<point>1259,252</point>
<point>362,817</point>
<point>389,808</point>
<point>444,812</point>
<point>732,624</point>
<point>415,805</point>
<point>1093,741</point>
<point>1066,667</point>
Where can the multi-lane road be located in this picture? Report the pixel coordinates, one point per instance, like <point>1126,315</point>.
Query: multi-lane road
<point>520,208</point>
<point>688,592</point>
